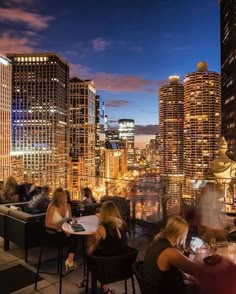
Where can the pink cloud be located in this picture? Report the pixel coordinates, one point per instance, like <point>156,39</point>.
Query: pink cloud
<point>117,103</point>
<point>31,19</point>
<point>10,2</point>
<point>116,82</point>
<point>83,72</point>
<point>100,44</point>
<point>12,44</point>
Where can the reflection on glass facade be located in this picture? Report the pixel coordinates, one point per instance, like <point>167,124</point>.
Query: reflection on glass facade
<point>5,117</point>
<point>126,133</point>
<point>82,131</point>
<point>228,73</point>
<point>202,124</point>
<point>39,116</point>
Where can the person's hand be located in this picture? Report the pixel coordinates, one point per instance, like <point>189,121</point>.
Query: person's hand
<point>190,280</point>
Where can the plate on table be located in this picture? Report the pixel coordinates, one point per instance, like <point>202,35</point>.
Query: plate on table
<point>212,259</point>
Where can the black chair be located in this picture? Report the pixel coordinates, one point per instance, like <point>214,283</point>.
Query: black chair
<point>52,238</point>
<point>144,286</point>
<point>111,269</point>
<point>90,209</point>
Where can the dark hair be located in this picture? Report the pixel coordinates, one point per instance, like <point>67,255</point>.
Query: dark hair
<point>88,194</point>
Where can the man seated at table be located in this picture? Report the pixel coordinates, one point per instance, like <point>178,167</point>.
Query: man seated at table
<point>40,202</point>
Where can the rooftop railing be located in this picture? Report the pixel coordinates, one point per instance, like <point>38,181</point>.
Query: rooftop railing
<point>151,197</point>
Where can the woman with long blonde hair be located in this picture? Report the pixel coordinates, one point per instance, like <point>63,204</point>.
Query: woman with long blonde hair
<point>9,192</point>
<point>110,237</point>
<point>164,263</point>
<point>111,234</point>
<point>58,212</point>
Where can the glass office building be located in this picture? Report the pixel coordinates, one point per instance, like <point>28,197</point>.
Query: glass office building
<point>126,134</point>
<point>39,116</point>
<point>228,73</point>
<point>5,117</point>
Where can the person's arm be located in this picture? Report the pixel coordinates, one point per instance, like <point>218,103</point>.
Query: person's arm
<point>70,213</point>
<point>49,216</point>
<point>173,257</point>
<point>100,234</point>
<point>85,201</point>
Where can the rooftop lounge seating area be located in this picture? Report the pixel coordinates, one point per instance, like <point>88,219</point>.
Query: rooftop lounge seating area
<point>145,214</point>
<point>50,283</point>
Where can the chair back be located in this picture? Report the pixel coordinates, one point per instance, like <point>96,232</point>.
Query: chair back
<point>90,209</point>
<point>54,238</point>
<point>231,237</point>
<point>144,286</point>
<point>111,269</point>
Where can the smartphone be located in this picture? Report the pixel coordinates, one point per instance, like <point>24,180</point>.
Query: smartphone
<point>196,243</point>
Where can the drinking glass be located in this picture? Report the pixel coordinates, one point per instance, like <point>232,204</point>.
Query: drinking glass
<point>213,245</point>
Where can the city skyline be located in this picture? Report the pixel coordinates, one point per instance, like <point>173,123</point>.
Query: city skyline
<point>128,48</point>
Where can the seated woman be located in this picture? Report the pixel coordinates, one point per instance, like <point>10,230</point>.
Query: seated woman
<point>58,212</point>
<point>163,264</point>
<point>88,196</point>
<point>9,193</point>
<point>111,234</point>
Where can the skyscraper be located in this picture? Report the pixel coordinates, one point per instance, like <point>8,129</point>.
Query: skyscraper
<point>98,157</point>
<point>5,117</point>
<point>202,123</point>
<point>82,128</point>
<point>126,134</point>
<point>39,116</point>
<point>228,73</point>
<point>171,115</point>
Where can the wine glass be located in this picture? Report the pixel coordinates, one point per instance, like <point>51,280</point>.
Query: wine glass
<point>213,245</point>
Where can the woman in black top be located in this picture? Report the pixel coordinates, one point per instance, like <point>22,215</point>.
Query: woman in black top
<point>163,264</point>
<point>110,235</point>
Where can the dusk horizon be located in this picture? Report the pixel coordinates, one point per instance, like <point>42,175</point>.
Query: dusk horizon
<point>128,51</point>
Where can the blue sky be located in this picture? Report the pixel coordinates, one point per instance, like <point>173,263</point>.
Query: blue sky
<point>128,47</point>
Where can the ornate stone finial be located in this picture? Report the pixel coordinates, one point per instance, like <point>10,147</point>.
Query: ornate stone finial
<point>223,146</point>
<point>223,167</point>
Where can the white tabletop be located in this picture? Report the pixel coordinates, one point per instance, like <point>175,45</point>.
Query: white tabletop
<point>226,252</point>
<point>223,250</point>
<point>89,222</point>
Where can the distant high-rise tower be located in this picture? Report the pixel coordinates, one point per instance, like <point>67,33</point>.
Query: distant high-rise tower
<point>228,73</point>
<point>202,123</point>
<point>171,130</point>
<point>5,117</point>
<point>126,134</point>
<point>39,116</point>
<point>99,166</point>
<point>82,128</point>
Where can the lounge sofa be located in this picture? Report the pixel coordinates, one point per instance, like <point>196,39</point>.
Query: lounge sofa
<point>20,227</point>
<point>24,227</point>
